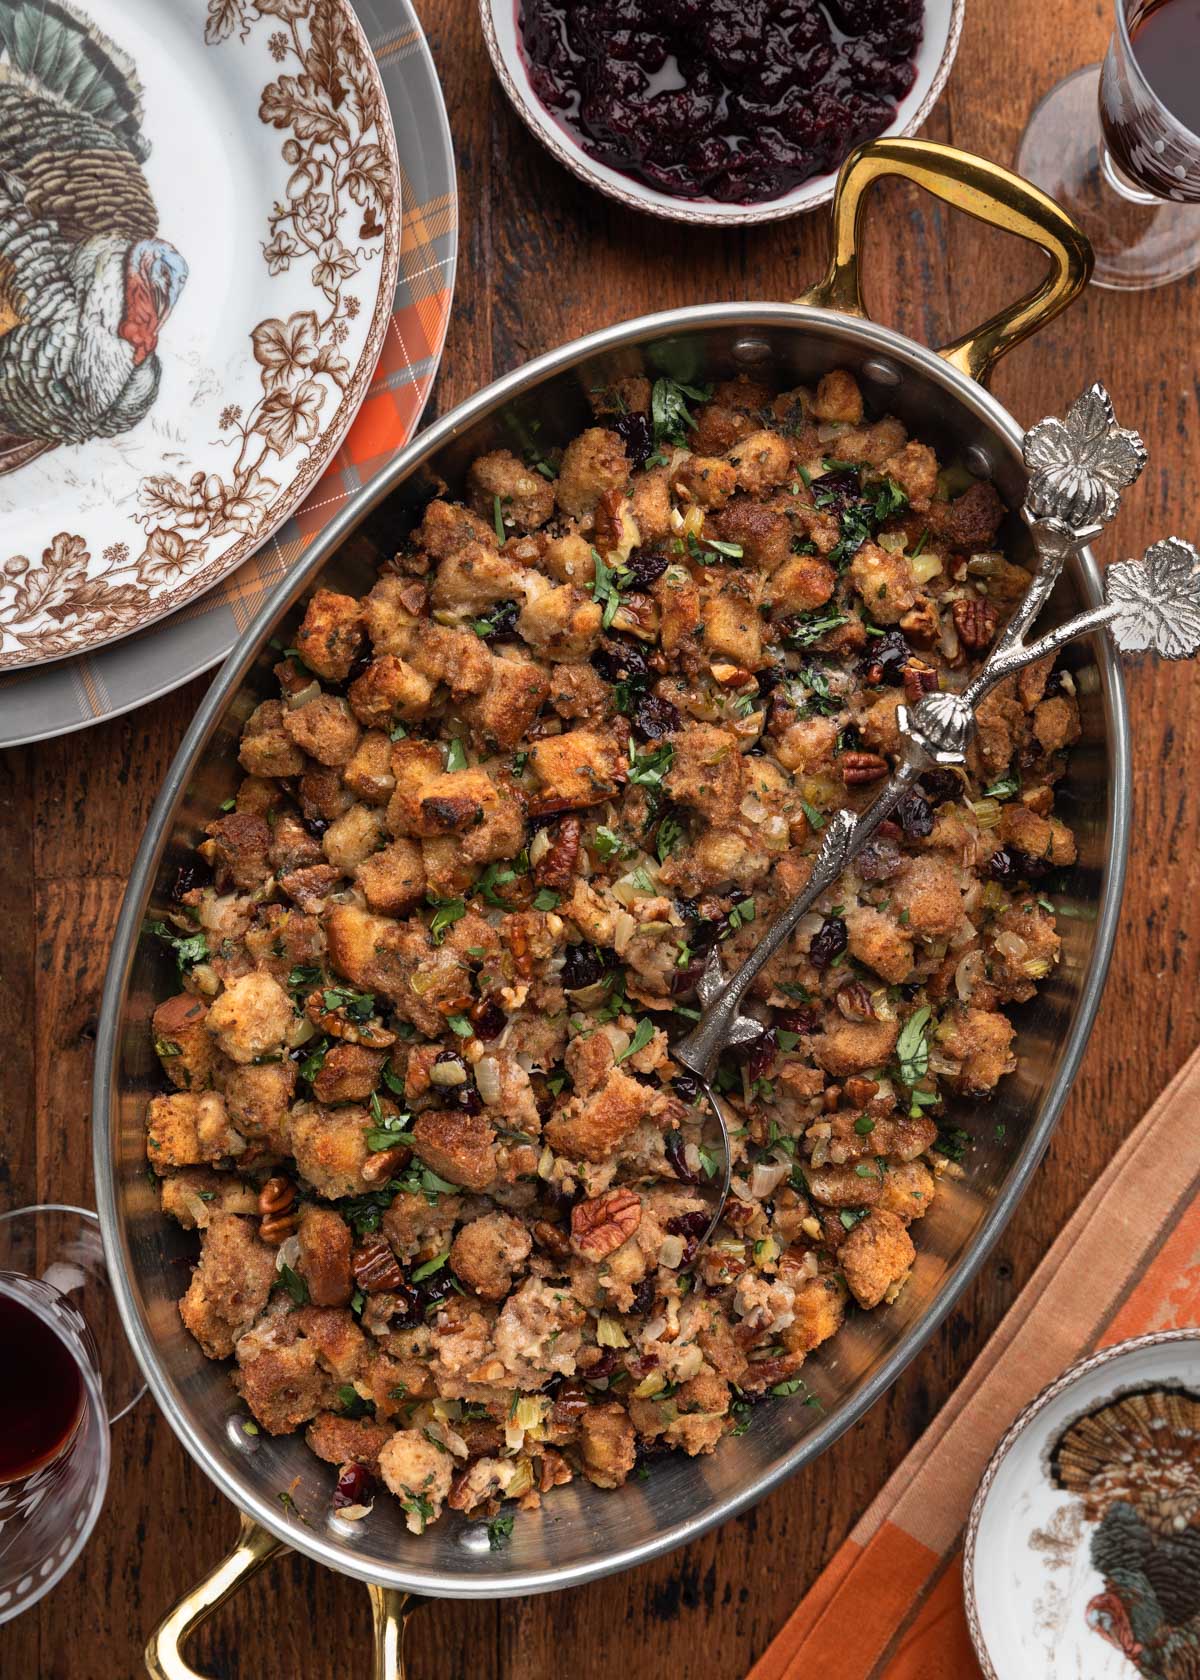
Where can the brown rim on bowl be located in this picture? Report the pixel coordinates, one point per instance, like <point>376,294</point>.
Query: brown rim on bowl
<point>637,197</point>
<point>1072,1374</point>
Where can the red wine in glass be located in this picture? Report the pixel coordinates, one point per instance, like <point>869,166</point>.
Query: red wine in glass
<point>1132,179</point>
<point>41,1392</point>
<point>1150,98</point>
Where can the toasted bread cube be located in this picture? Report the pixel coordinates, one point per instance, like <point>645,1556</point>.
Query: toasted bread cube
<point>230,1286</point>
<point>592,463</point>
<point>393,879</point>
<point>332,632</point>
<point>251,1018</point>
<point>184,1048</point>
<point>526,499</point>
<point>580,767</point>
<point>369,773</point>
<point>266,747</point>
<point>875,1256</point>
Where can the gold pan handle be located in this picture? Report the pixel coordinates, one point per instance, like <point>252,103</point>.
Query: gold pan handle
<point>390,1611</point>
<point>983,190</point>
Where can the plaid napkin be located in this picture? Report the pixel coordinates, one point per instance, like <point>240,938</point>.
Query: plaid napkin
<point>890,1604</point>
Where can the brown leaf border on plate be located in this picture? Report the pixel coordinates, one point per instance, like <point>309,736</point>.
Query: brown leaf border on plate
<point>327,101</point>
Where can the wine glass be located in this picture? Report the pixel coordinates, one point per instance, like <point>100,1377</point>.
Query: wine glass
<point>1132,178</point>
<point>66,1375</point>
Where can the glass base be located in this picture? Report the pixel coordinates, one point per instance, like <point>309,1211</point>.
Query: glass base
<point>61,1245</point>
<point>1139,240</point>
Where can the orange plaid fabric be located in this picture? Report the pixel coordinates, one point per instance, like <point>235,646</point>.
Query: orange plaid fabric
<point>890,1604</point>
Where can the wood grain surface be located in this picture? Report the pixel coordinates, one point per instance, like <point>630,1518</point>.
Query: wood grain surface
<point>542,260</point>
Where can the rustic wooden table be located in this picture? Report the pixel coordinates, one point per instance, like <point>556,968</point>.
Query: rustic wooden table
<point>542,260</point>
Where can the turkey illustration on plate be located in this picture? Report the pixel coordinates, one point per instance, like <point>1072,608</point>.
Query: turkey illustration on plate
<point>199,244</point>
<point>1135,1464</point>
<point>85,282</point>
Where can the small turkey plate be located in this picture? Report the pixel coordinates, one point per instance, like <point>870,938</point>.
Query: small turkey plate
<point>1082,1552</point>
<point>199,240</point>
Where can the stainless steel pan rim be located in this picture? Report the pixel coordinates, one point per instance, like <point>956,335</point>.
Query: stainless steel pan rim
<point>879,342</point>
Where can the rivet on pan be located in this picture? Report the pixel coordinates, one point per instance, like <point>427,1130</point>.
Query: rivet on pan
<point>978,461</point>
<point>235,1428</point>
<point>881,372</point>
<point>751,350</point>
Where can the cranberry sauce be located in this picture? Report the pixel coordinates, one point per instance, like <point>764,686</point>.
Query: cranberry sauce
<point>735,100</point>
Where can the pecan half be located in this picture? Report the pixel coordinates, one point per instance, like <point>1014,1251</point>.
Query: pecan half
<point>600,1226</point>
<point>516,934</point>
<point>918,679</point>
<point>340,1024</point>
<point>556,867</point>
<point>277,1207</point>
<point>607,524</point>
<point>975,621</point>
<point>376,1268</point>
<point>859,768</point>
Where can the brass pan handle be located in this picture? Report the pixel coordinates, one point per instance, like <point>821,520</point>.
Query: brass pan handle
<point>390,1611</point>
<point>983,190</point>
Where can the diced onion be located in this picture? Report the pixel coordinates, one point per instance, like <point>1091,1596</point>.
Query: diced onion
<point>948,639</point>
<point>944,1066</point>
<point>590,997</point>
<point>539,846</point>
<point>968,974</point>
<point>545,1164</point>
<point>925,566</point>
<point>617,1037</point>
<point>829,429</point>
<point>985,565</point>
<point>766,1177</point>
<point>688,1364</point>
<point>624,928</point>
<point>670,1254</point>
<point>650,1386</point>
<point>302,696</point>
<point>752,808</point>
<point>1087,681</point>
<point>289,1253</point>
<point>1037,968</point>
<point>448,1073</point>
<point>522,1481</point>
<point>893,542</point>
<point>487,1079</point>
<point>1011,944</point>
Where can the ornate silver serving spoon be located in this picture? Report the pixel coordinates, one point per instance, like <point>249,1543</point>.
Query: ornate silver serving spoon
<point>1078,469</point>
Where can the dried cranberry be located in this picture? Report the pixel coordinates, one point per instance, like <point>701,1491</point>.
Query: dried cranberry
<point>689,1224</point>
<point>879,860</point>
<point>635,433</point>
<point>583,966</point>
<point>886,658</point>
<point>653,717</point>
<point>1032,868</point>
<point>1054,685</point>
<point>941,785</point>
<point>604,1366</point>
<point>619,659</point>
<point>835,491</point>
<point>643,1297</point>
<point>190,875</point>
<point>1002,866</point>
<point>463,1099</point>
<point>806,1019</point>
<point>355,1486</point>
<point>674,1145</point>
<point>316,826</point>
<point>686,1087</point>
<point>828,942</point>
<point>916,815</point>
<point>760,1054</point>
<point>361,664</point>
<point>645,568</point>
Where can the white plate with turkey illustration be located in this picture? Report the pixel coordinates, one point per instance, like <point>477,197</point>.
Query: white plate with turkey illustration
<point>199,241</point>
<point>1082,1552</point>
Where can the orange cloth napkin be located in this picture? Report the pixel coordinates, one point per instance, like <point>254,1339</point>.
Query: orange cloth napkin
<point>890,1604</point>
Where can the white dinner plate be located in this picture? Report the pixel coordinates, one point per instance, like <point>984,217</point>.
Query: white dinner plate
<point>199,239</point>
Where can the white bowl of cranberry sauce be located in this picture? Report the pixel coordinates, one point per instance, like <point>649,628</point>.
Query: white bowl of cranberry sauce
<point>724,112</point>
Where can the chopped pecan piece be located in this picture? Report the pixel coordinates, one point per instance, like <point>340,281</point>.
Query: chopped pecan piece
<point>918,679</point>
<point>600,1226</point>
<point>375,1267</point>
<point>277,1205</point>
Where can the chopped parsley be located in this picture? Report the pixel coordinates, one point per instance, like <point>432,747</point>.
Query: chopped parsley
<point>643,1033</point>
<point>358,1006</point>
<point>456,758</point>
<point>545,900</point>
<point>605,587</point>
<point>294,1284</point>
<point>498,521</point>
<point>912,1047</point>
<point>189,948</point>
<point>430,1267</point>
<point>670,416</point>
<point>499,1532</point>
<point>670,833</point>
<point>447,911</point>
